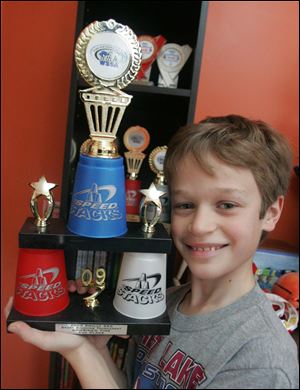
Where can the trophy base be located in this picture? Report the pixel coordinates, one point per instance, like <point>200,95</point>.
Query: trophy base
<point>104,319</point>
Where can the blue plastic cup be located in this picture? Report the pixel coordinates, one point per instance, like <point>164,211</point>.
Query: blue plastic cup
<point>98,206</point>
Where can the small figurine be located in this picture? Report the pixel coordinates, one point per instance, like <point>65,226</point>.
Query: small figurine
<point>42,188</point>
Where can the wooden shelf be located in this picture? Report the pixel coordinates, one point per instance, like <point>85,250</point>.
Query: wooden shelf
<point>133,87</point>
<point>136,87</point>
<point>57,236</point>
<point>104,319</point>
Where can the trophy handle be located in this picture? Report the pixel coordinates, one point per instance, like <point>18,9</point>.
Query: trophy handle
<point>148,226</point>
<point>42,221</point>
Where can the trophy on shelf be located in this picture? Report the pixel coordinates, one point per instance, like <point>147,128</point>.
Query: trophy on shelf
<point>136,139</point>
<point>42,191</point>
<point>99,285</point>
<point>170,61</point>
<point>150,47</point>
<point>156,163</point>
<point>108,58</point>
<point>150,208</point>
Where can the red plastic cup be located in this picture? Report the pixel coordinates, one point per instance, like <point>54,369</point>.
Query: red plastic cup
<point>133,196</point>
<point>41,282</point>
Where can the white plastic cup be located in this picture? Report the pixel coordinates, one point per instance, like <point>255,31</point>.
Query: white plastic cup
<point>141,287</point>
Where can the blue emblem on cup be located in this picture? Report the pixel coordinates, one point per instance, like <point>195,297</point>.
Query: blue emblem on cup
<point>98,206</point>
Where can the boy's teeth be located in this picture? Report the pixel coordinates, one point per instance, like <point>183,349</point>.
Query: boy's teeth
<point>206,249</point>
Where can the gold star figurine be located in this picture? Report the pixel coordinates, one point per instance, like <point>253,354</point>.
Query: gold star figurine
<point>42,188</point>
<point>151,199</point>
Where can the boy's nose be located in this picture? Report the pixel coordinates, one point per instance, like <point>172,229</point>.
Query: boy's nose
<point>203,222</point>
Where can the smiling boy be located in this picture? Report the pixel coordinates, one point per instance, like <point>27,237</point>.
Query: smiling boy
<point>228,177</point>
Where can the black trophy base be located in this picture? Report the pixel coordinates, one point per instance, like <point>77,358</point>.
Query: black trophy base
<point>104,319</point>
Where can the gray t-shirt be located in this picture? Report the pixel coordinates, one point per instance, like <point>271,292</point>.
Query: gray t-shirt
<point>241,346</point>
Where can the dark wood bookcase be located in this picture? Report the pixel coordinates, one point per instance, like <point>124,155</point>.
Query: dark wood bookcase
<point>160,110</point>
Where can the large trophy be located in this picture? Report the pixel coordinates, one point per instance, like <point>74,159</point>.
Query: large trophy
<point>136,139</point>
<point>108,57</point>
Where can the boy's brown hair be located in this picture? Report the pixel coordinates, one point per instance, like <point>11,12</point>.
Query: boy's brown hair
<point>240,142</point>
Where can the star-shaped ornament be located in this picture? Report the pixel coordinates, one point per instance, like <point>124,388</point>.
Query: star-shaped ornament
<point>152,194</point>
<point>42,187</point>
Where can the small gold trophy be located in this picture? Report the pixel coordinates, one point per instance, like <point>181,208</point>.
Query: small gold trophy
<point>156,163</point>
<point>151,200</point>
<point>91,301</point>
<point>42,190</point>
<point>136,139</point>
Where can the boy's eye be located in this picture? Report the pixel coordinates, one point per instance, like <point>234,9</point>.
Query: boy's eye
<point>226,205</point>
<point>183,206</point>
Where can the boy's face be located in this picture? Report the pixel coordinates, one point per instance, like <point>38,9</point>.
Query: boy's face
<point>215,219</point>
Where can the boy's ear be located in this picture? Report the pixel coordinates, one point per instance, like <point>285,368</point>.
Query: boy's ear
<point>273,214</point>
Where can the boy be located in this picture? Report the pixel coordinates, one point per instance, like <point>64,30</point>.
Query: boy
<point>227,177</point>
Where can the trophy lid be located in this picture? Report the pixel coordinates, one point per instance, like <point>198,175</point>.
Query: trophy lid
<point>136,138</point>
<point>107,54</point>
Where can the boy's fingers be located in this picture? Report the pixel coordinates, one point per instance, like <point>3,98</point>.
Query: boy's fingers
<point>45,340</point>
<point>8,306</point>
<point>72,286</point>
<point>23,330</point>
<point>40,339</point>
<point>76,285</point>
<point>80,288</point>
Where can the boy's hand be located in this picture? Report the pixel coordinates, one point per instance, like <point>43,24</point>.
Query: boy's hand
<point>56,341</point>
<point>47,341</point>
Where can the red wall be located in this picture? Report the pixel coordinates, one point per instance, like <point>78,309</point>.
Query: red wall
<point>37,51</point>
<point>249,67</point>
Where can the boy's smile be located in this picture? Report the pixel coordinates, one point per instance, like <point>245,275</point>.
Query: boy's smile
<point>215,219</point>
<point>206,250</point>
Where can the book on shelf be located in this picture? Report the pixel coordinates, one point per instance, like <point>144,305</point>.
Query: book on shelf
<point>93,260</point>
